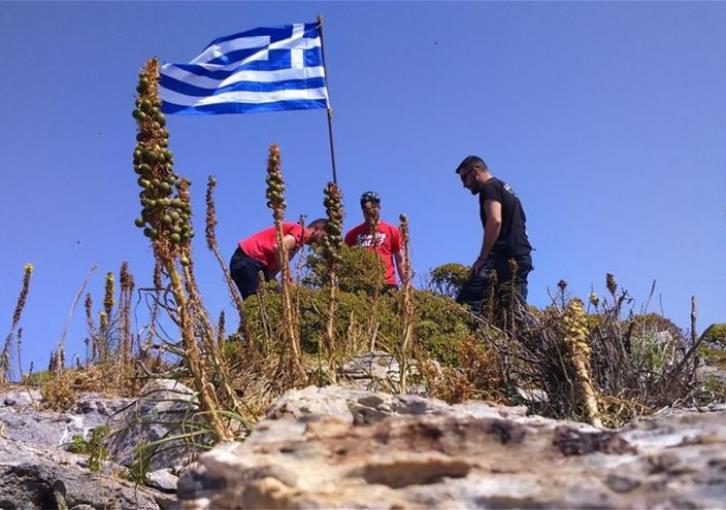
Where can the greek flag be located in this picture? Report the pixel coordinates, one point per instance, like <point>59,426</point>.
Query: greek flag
<point>264,69</point>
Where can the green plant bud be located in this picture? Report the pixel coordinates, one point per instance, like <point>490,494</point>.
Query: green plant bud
<point>145,105</point>
<point>135,114</point>
<point>148,232</point>
<point>165,186</point>
<point>140,137</point>
<point>184,260</point>
<point>148,156</point>
<point>176,202</point>
<point>166,219</point>
<point>145,169</point>
<point>144,81</point>
<point>155,182</point>
<point>175,238</point>
<point>161,120</point>
<point>144,183</point>
<point>139,222</point>
<point>137,169</point>
<point>174,215</point>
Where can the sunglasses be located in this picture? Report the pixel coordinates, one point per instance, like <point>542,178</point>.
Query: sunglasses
<point>465,175</point>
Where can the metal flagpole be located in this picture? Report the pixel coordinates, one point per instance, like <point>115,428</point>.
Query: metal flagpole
<point>330,110</point>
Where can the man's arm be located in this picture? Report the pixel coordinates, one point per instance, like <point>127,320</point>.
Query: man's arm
<point>493,212</point>
<point>290,244</point>
<point>398,256</point>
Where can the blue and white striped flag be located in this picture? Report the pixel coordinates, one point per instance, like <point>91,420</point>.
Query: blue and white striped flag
<point>264,69</point>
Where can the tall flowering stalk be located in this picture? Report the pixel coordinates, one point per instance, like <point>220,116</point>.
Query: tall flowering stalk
<point>126,281</point>
<point>19,306</point>
<point>576,341</point>
<point>372,221</point>
<point>166,220</point>
<point>332,245</point>
<point>407,318</point>
<point>276,202</point>
<point>108,303</point>
<point>211,238</point>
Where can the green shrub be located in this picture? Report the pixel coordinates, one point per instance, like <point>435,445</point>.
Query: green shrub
<point>448,279</point>
<point>440,323</point>
<point>715,335</point>
<point>360,271</point>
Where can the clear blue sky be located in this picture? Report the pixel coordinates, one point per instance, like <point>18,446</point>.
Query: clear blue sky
<point>608,119</point>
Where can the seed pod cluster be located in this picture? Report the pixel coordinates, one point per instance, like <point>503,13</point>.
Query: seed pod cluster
<point>165,217</point>
<point>275,184</point>
<point>611,284</point>
<point>405,240</point>
<point>576,330</point>
<point>576,340</point>
<point>333,240</point>
<point>108,294</point>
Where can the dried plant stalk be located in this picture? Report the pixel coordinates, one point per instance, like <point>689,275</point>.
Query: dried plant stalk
<point>407,318</point>
<point>211,238</point>
<point>17,313</point>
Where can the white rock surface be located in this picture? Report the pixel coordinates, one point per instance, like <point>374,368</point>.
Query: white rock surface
<point>341,448</point>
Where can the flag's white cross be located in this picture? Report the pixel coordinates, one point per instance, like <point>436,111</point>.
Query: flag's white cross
<point>296,43</point>
<point>296,54</point>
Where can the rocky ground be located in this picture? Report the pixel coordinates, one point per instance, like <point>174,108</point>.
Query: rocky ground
<point>343,447</point>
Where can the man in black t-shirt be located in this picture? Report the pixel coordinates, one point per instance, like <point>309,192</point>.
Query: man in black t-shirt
<point>505,237</point>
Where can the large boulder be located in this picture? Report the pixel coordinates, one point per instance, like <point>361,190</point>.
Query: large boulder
<point>343,448</point>
<point>23,418</point>
<point>164,408</point>
<point>29,475</point>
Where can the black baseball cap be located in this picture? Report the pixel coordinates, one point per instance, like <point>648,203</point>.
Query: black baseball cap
<point>370,196</point>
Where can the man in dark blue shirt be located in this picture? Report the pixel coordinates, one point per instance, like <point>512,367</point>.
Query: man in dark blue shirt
<point>505,245</point>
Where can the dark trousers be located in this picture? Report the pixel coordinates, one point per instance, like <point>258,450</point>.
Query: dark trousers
<point>244,270</point>
<point>478,287</point>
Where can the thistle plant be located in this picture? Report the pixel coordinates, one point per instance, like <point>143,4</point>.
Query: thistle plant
<point>578,345</point>
<point>407,318</point>
<point>276,202</point>
<point>331,249</point>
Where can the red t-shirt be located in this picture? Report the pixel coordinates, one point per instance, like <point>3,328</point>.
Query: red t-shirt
<point>262,245</point>
<point>388,242</point>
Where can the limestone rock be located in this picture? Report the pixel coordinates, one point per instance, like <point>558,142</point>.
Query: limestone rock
<point>27,476</point>
<point>159,412</point>
<point>342,448</point>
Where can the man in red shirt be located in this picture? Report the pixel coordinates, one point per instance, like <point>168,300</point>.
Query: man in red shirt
<point>386,242</point>
<point>258,252</point>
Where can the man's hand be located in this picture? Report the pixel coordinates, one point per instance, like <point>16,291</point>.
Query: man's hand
<point>475,267</point>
